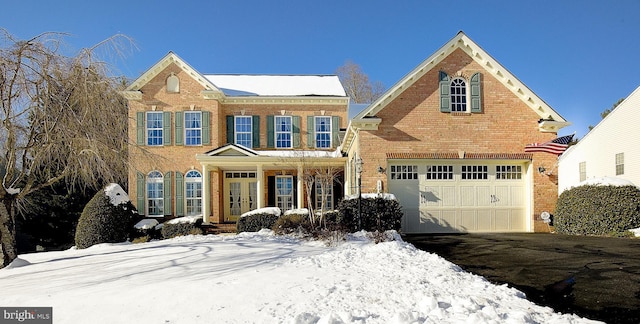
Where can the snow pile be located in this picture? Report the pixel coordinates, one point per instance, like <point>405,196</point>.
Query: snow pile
<point>116,194</point>
<point>387,196</point>
<point>185,219</point>
<point>266,210</point>
<point>299,211</point>
<point>263,278</point>
<point>607,181</point>
<point>146,224</point>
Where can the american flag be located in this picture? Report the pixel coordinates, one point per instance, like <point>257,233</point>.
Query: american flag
<point>555,146</point>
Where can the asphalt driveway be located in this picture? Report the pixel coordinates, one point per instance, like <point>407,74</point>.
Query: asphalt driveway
<point>594,277</point>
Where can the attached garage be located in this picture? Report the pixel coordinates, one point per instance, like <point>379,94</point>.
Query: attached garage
<point>461,195</point>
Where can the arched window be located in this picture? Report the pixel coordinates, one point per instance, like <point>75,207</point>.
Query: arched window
<point>173,83</point>
<point>155,194</point>
<point>193,185</point>
<point>458,94</point>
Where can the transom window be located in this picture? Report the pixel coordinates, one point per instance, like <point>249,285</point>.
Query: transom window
<point>154,128</point>
<point>155,194</point>
<point>404,172</point>
<point>284,192</point>
<point>283,131</point>
<point>323,131</point>
<point>508,172</point>
<point>238,175</point>
<point>619,163</point>
<point>193,127</point>
<point>193,186</point>
<point>243,128</point>
<point>439,172</point>
<point>458,95</point>
<point>475,172</point>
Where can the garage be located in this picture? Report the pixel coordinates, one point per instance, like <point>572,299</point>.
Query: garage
<point>448,196</point>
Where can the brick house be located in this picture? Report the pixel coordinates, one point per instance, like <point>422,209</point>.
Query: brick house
<point>448,140</point>
<point>221,145</point>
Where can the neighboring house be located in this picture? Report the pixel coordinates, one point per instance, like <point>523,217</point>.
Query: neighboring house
<point>448,140</point>
<point>611,149</point>
<point>221,145</point>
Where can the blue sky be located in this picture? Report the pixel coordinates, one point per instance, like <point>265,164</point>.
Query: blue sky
<point>578,56</point>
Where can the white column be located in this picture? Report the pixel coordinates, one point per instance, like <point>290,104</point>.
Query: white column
<point>300,186</point>
<point>259,187</point>
<point>206,194</point>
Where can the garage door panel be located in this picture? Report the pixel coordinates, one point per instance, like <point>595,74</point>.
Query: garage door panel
<point>517,195</point>
<point>468,220</point>
<point>430,196</point>
<point>448,196</point>
<point>467,196</point>
<point>503,220</point>
<point>518,220</point>
<point>502,196</point>
<point>483,196</point>
<point>484,221</point>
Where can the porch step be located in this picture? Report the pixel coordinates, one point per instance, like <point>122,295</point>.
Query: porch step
<point>219,228</point>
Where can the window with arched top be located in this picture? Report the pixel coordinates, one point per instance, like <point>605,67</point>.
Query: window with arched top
<point>173,83</point>
<point>193,187</point>
<point>458,94</point>
<point>155,194</point>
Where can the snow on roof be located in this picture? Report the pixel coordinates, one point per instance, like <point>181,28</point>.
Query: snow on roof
<point>607,181</point>
<point>301,154</point>
<point>116,194</point>
<point>277,85</point>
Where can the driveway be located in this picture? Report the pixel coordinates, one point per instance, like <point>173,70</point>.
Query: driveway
<point>594,277</point>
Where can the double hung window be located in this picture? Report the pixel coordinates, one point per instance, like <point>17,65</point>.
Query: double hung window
<point>193,128</point>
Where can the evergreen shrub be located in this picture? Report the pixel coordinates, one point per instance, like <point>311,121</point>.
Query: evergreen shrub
<point>291,223</point>
<point>597,210</point>
<point>171,229</point>
<point>378,214</point>
<point>256,222</point>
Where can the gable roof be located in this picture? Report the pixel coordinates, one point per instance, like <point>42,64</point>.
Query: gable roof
<point>237,85</point>
<point>551,121</point>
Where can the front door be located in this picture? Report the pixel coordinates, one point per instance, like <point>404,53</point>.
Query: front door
<point>240,191</point>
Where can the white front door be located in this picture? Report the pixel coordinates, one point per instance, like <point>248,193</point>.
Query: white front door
<point>240,191</point>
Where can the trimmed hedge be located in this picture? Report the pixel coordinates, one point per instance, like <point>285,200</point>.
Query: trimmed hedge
<point>291,223</point>
<point>171,230</point>
<point>378,214</point>
<point>256,222</point>
<point>103,222</point>
<point>597,210</point>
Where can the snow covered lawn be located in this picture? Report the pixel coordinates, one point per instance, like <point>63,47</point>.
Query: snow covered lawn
<point>261,278</point>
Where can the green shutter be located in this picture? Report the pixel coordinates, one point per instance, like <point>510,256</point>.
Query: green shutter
<point>166,128</point>
<point>167,193</point>
<point>179,194</point>
<point>270,132</point>
<point>206,130</point>
<point>335,131</point>
<point>476,101</point>
<point>140,129</point>
<point>140,188</point>
<point>445,98</point>
<point>295,121</point>
<point>255,131</point>
<point>179,128</point>
<point>310,131</point>
<point>230,132</point>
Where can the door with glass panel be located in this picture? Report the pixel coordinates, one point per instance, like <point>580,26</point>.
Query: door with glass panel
<point>240,194</point>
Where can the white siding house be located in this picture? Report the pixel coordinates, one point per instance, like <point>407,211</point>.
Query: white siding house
<point>611,149</point>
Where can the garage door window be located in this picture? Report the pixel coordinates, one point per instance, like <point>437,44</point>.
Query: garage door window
<point>475,172</point>
<point>439,172</point>
<point>508,172</point>
<point>404,172</point>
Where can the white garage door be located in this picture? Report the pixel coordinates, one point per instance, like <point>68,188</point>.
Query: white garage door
<point>453,196</point>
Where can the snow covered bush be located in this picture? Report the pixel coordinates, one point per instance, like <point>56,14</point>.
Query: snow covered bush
<point>182,226</point>
<point>107,218</point>
<point>379,213</point>
<point>598,210</point>
<point>258,219</point>
<point>146,230</point>
<point>292,223</point>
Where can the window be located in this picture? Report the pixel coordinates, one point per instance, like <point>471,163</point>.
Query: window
<point>324,187</point>
<point>243,127</point>
<point>582,168</point>
<point>404,172</point>
<point>193,185</point>
<point>458,95</point>
<point>155,193</point>
<point>283,131</point>
<point>193,127</point>
<point>154,128</point>
<point>475,172</point>
<point>284,192</point>
<point>619,163</point>
<point>323,131</point>
<point>439,172</point>
<point>508,172</point>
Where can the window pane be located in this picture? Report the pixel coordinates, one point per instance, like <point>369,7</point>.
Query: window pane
<point>154,128</point>
<point>323,131</point>
<point>283,131</point>
<point>193,128</point>
<point>243,131</point>
<point>458,95</point>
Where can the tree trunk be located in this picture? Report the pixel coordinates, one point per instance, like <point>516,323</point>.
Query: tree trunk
<point>7,232</point>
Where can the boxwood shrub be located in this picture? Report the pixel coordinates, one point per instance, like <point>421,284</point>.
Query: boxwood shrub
<point>291,223</point>
<point>378,214</point>
<point>597,210</point>
<point>256,222</point>
<point>175,228</point>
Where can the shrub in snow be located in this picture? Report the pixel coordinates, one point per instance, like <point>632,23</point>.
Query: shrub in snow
<point>107,218</point>
<point>145,230</point>
<point>258,219</point>
<point>182,226</point>
<point>598,210</point>
<point>292,223</point>
<point>378,214</point>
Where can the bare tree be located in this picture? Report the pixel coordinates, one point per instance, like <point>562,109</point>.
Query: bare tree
<point>357,84</point>
<point>62,120</point>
